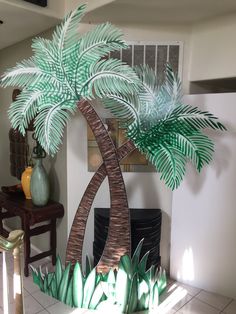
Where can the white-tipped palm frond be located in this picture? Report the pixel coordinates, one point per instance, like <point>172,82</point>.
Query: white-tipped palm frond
<point>149,83</point>
<point>66,34</point>
<point>98,42</point>
<point>50,123</point>
<point>170,93</point>
<point>169,162</point>
<point>194,118</point>
<point>124,108</point>
<point>22,74</point>
<point>177,137</point>
<point>24,110</point>
<point>108,77</point>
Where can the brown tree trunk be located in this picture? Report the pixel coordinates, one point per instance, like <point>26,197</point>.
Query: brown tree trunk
<point>77,232</point>
<point>118,240</point>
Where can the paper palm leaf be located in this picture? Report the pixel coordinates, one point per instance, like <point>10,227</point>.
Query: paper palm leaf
<point>197,147</point>
<point>170,94</point>
<point>109,77</point>
<point>169,162</point>
<point>195,118</point>
<point>66,34</point>
<point>22,74</point>
<point>177,137</point>
<point>123,107</point>
<point>24,110</point>
<point>50,122</point>
<point>98,42</point>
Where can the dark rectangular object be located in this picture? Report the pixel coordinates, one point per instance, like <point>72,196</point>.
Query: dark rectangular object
<point>145,223</point>
<point>41,3</point>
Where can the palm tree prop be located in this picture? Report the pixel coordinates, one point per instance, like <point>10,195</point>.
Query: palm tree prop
<point>167,131</point>
<point>67,72</point>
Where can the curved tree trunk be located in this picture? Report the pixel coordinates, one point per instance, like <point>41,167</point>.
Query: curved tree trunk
<point>118,240</point>
<point>77,232</point>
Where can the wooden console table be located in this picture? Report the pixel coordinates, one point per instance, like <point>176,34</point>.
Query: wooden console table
<point>30,215</point>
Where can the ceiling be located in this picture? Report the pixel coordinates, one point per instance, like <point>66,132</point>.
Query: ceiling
<point>23,20</point>
<point>20,23</point>
<point>159,11</point>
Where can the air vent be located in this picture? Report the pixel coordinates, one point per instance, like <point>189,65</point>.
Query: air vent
<point>155,54</point>
<point>41,3</point>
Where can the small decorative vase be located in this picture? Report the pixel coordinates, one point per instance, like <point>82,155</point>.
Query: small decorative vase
<point>39,185</point>
<point>25,182</point>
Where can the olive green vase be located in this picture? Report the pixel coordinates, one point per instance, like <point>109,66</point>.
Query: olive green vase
<point>39,184</point>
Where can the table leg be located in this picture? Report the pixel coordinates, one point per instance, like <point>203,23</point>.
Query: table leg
<point>26,229</point>
<point>53,240</point>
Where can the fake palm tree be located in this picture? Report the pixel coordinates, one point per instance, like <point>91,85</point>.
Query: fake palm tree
<point>67,72</point>
<point>162,127</point>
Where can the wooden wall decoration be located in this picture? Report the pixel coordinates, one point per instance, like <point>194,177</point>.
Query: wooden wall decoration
<point>18,148</point>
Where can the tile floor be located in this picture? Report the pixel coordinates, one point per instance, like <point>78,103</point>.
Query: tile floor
<point>178,298</point>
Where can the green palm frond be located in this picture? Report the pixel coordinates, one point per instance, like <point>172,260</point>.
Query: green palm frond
<point>170,94</point>
<point>197,147</point>
<point>169,162</point>
<point>194,118</point>
<point>22,74</point>
<point>50,123</point>
<point>24,109</point>
<point>98,42</point>
<point>109,77</point>
<point>149,82</point>
<point>66,34</point>
<point>123,107</point>
<point>177,136</point>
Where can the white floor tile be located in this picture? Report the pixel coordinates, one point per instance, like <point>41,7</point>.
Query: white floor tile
<point>31,305</point>
<point>213,299</point>
<point>193,291</point>
<point>29,285</point>
<point>60,308</point>
<point>44,299</point>
<point>195,306</point>
<point>171,311</point>
<point>43,312</point>
<point>182,302</point>
<point>231,308</point>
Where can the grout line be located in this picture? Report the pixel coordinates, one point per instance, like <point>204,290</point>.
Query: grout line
<point>195,296</point>
<point>192,297</point>
<point>209,304</point>
<point>56,300</point>
<point>231,301</point>
<point>38,303</point>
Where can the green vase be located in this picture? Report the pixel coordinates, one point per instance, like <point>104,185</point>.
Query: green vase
<point>39,184</point>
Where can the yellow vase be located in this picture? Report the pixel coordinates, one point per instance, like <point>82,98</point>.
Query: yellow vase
<point>25,182</point>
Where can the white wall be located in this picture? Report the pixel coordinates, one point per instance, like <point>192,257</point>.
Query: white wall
<point>91,5</point>
<point>56,167</point>
<point>213,49</point>
<point>54,8</point>
<point>203,210</point>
